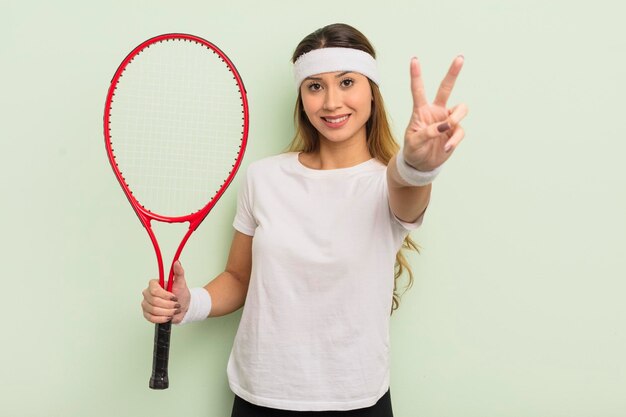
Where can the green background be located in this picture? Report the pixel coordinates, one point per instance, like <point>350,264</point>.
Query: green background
<point>518,304</point>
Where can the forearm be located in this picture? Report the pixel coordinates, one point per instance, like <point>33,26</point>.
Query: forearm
<point>228,294</point>
<point>407,202</point>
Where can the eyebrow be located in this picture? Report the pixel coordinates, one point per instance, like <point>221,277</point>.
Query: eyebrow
<point>336,76</point>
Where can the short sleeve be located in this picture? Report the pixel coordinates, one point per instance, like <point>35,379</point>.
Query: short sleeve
<point>244,218</point>
<point>410,226</point>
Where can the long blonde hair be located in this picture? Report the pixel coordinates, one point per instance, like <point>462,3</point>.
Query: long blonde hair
<point>380,141</point>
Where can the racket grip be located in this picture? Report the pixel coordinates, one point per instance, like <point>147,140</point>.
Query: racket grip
<point>159,378</point>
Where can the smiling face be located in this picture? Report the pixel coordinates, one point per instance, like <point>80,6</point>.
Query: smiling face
<point>338,105</point>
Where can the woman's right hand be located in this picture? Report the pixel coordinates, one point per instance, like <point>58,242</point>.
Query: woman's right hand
<point>161,306</point>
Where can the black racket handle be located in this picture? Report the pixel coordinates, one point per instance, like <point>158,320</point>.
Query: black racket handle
<point>159,379</point>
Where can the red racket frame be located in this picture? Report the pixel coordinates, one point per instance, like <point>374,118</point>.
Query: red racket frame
<point>159,378</point>
<point>145,215</point>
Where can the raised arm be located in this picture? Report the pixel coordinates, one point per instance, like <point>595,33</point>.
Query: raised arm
<point>430,139</point>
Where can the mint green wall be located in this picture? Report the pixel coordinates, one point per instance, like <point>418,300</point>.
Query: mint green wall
<point>518,304</point>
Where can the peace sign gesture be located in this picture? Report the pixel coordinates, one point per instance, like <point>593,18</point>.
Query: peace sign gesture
<point>433,131</point>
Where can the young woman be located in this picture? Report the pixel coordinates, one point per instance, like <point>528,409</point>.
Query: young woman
<point>318,231</point>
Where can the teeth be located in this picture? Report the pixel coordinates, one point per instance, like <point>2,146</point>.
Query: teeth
<point>337,120</point>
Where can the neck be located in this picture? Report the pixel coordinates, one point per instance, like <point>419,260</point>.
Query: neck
<point>333,155</point>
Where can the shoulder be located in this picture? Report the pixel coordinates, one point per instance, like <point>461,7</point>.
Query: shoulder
<point>379,165</point>
<point>270,169</point>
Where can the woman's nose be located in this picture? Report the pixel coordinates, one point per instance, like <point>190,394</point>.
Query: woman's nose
<point>332,99</point>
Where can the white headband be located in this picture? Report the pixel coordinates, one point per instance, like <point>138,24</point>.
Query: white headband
<point>319,61</point>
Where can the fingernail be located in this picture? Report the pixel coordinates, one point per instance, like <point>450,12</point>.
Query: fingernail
<point>177,305</point>
<point>447,148</point>
<point>177,311</point>
<point>443,127</point>
<point>461,55</point>
<point>174,299</point>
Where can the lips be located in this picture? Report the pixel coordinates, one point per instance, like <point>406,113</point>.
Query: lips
<point>336,121</point>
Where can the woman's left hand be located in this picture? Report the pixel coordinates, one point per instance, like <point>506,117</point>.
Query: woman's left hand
<point>434,130</point>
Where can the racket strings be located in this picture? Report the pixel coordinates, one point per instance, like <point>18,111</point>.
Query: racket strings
<point>176,126</point>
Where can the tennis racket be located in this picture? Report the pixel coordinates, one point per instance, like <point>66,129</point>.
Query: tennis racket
<point>175,130</point>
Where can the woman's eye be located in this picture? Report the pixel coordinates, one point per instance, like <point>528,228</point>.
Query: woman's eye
<point>315,87</point>
<point>347,82</point>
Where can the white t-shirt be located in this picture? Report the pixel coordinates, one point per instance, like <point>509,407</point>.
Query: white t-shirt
<point>314,333</point>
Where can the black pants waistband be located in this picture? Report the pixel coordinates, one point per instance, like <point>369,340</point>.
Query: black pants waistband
<point>242,408</point>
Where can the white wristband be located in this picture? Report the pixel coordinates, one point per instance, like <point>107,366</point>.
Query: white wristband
<point>413,176</point>
<point>199,306</point>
